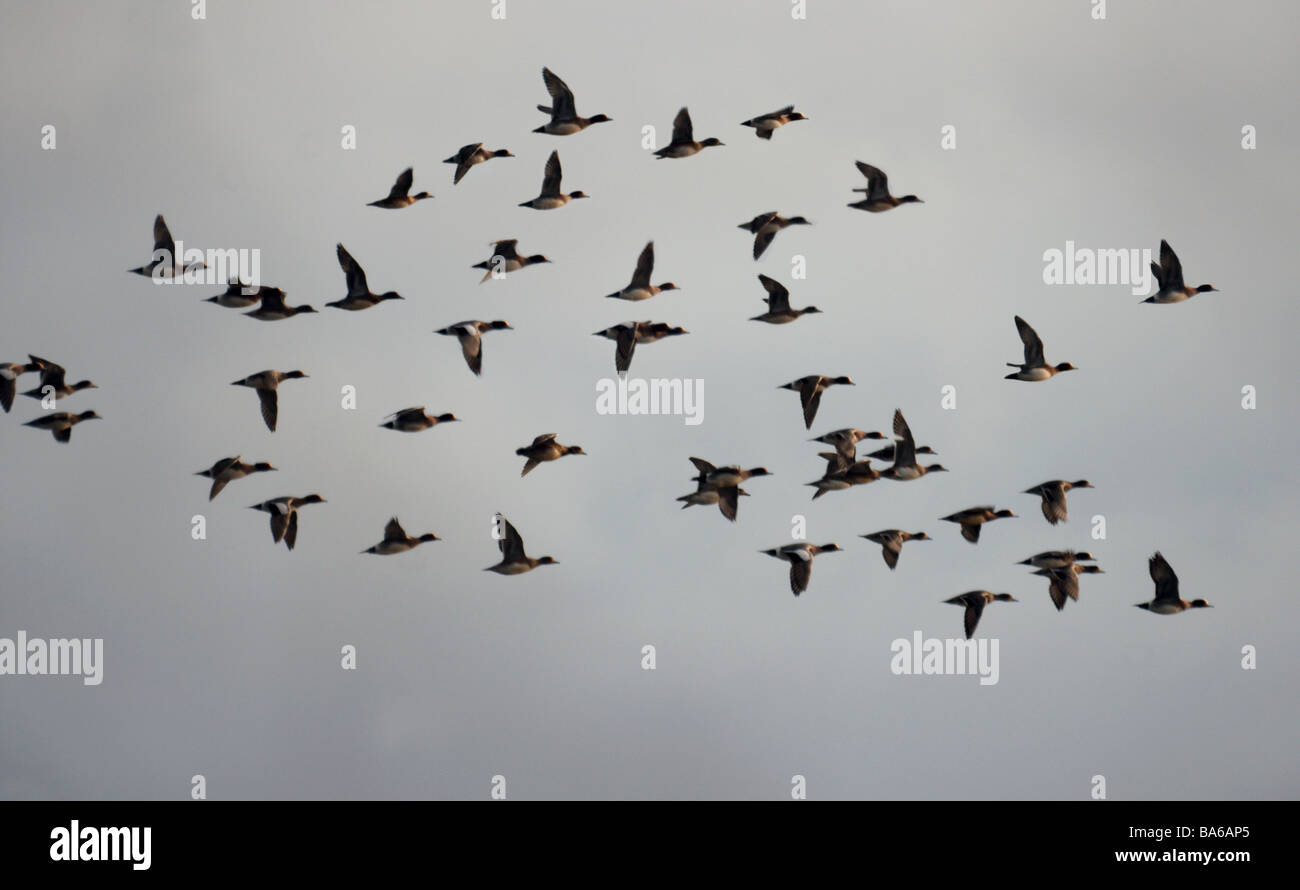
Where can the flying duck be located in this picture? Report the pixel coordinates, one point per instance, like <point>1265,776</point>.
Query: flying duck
<point>399,195</point>
<point>359,295</point>
<point>1053,495</point>
<point>1064,582</point>
<point>60,423</point>
<point>506,259</point>
<point>396,540</point>
<point>724,488</point>
<point>235,298</point>
<point>471,343</point>
<point>846,440</point>
<point>228,469</point>
<point>265,382</point>
<point>627,335</point>
<point>564,119</point>
<point>887,453</point>
<point>1034,368</point>
<point>551,197</point>
<point>800,557</point>
<point>972,520</point>
<point>778,304</point>
<point>877,198</point>
<point>724,477</point>
<point>1056,559</point>
<point>640,287</point>
<point>469,155</point>
<point>654,331</point>
<point>52,376</point>
<point>9,374</point>
<point>841,475</point>
<point>891,542</point>
<point>905,466</point>
<point>273,307</point>
<point>413,420</point>
<point>765,124</point>
<point>810,391</point>
<point>1169,277</point>
<point>725,498</point>
<point>766,225</point>
<point>168,264</point>
<point>545,448</point>
<point>513,559</point>
<point>683,144</point>
<point>284,516</point>
<point>975,601</point>
<point>1167,601</point>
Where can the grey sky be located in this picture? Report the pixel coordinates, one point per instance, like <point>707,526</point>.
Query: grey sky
<point>222,656</point>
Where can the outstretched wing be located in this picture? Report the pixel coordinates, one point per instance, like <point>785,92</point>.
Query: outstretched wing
<point>811,396</point>
<point>682,130</point>
<point>1163,574</point>
<point>551,180</point>
<point>562,107</point>
<point>877,181</point>
<point>1169,265</point>
<point>626,345</point>
<point>403,184</point>
<point>1033,344</point>
<point>464,160</point>
<point>356,276</point>
<point>905,447</point>
<point>800,571</point>
<point>270,407</point>
<point>393,531</point>
<point>511,544</point>
<point>728,501</point>
<point>645,265</point>
<point>974,609</point>
<point>162,238</point>
<point>1054,510</point>
<point>778,297</point>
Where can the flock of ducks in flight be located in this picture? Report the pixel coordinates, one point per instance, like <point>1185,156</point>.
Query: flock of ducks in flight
<point>715,485</point>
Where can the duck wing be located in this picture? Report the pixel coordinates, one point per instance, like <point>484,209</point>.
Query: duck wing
<point>800,570</point>
<point>811,396</point>
<point>291,531</point>
<point>1033,344</point>
<point>645,265</point>
<point>905,447</point>
<point>471,346</point>
<point>1054,509</point>
<point>511,544</point>
<point>683,132</point>
<point>464,161</point>
<point>778,297</point>
<point>877,181</point>
<point>393,531</point>
<point>162,238</point>
<point>1170,266</point>
<point>402,187</point>
<point>357,286</point>
<point>890,549</point>
<point>625,346</point>
<point>1163,575</point>
<point>974,609</point>
<point>562,106</point>
<point>728,501</point>
<point>270,407</point>
<point>551,179</point>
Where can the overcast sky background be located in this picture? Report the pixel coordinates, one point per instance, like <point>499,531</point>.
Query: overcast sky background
<point>222,656</point>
